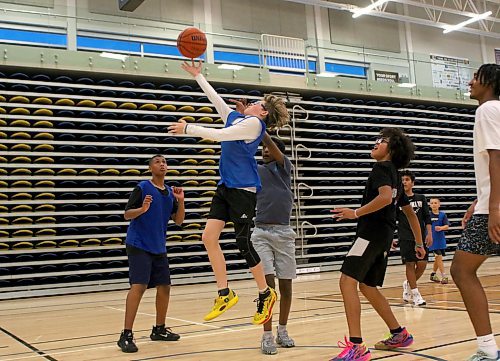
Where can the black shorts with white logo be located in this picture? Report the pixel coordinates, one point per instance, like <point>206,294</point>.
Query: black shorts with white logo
<point>233,204</point>
<point>366,261</point>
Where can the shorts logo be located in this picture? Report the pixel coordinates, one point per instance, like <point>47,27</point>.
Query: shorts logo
<point>244,216</point>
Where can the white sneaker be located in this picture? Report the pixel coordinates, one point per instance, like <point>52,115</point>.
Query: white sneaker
<point>418,300</point>
<point>406,292</point>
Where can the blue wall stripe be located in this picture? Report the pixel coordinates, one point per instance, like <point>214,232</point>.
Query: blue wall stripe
<point>107,44</point>
<point>346,69</point>
<point>33,36</point>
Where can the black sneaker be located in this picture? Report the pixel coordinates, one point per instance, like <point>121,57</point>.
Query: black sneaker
<point>162,333</point>
<point>126,343</point>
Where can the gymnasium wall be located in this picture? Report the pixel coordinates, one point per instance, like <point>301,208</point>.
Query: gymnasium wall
<point>239,23</point>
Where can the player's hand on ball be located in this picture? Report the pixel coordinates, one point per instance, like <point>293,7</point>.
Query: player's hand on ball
<point>178,193</point>
<point>192,69</point>
<point>178,128</point>
<point>147,202</point>
<point>343,213</point>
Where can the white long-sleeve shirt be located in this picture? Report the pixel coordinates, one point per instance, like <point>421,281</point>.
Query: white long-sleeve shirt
<point>247,130</point>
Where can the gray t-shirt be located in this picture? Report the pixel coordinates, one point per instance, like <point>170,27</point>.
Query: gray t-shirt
<point>275,200</point>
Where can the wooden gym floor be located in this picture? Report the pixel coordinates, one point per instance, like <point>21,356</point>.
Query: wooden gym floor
<point>87,326</point>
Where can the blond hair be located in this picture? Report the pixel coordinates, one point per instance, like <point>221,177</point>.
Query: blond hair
<point>277,113</point>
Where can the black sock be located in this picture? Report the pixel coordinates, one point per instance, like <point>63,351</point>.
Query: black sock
<point>224,292</point>
<point>265,294</point>
<point>356,340</point>
<point>127,332</point>
<point>397,330</point>
<point>433,273</point>
<point>157,327</point>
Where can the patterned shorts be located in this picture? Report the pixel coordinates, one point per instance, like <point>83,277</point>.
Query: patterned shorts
<point>475,237</point>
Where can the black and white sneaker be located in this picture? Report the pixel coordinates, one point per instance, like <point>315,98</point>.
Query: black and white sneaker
<point>162,333</point>
<point>126,342</point>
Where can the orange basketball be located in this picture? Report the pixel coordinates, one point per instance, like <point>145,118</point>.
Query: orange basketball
<point>192,42</point>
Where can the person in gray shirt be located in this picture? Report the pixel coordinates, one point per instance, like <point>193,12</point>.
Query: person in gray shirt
<point>273,237</point>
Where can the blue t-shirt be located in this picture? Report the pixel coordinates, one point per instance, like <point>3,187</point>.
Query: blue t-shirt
<point>275,200</point>
<point>438,237</point>
<point>148,231</point>
<point>237,165</point>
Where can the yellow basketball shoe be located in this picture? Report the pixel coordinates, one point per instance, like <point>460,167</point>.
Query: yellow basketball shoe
<point>265,308</point>
<point>221,305</point>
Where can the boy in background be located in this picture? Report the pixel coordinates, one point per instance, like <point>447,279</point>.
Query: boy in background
<point>440,224</point>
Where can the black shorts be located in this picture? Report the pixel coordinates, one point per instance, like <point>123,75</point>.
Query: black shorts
<point>366,261</point>
<point>233,204</point>
<point>408,253</point>
<point>439,252</point>
<point>147,268</point>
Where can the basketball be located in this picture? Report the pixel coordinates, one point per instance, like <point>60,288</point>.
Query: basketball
<point>192,42</point>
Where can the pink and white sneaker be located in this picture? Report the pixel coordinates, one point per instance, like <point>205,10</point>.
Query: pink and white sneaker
<point>352,352</point>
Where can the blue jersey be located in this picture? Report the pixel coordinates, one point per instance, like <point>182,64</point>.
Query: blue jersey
<point>148,231</point>
<point>237,166</point>
<point>438,238</point>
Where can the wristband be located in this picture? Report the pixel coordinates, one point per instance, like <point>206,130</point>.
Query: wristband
<point>356,214</point>
<point>419,246</point>
<point>185,128</point>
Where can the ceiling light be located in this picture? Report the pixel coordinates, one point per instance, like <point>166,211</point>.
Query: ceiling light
<point>116,56</point>
<point>450,28</point>
<point>327,75</point>
<point>407,85</point>
<point>366,10</point>
<point>230,67</point>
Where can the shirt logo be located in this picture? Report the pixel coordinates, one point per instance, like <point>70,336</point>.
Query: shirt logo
<point>244,216</point>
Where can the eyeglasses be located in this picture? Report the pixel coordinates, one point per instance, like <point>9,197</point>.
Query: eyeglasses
<point>261,104</point>
<point>381,140</point>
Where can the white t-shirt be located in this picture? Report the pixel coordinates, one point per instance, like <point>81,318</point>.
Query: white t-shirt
<point>486,137</point>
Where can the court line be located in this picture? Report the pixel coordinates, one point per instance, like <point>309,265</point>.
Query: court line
<point>31,347</point>
<point>249,327</point>
<point>171,318</point>
<point>398,353</point>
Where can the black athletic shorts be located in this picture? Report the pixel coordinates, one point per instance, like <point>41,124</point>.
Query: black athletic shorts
<point>146,268</point>
<point>366,261</point>
<point>439,252</point>
<point>407,250</point>
<point>233,204</point>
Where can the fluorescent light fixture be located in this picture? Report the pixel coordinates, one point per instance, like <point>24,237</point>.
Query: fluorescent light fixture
<point>407,85</point>
<point>116,56</point>
<point>327,75</point>
<point>230,67</point>
<point>366,10</point>
<point>450,28</point>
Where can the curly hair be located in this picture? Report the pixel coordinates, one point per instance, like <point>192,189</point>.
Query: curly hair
<point>277,113</point>
<point>489,75</point>
<point>401,147</point>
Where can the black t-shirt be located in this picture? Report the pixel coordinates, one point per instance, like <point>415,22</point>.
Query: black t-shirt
<point>421,208</point>
<point>135,199</point>
<point>380,225</point>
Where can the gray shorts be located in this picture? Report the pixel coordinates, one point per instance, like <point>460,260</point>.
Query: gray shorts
<point>275,244</point>
<point>475,237</point>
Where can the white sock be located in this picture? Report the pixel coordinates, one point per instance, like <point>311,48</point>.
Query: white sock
<point>488,345</point>
<point>264,290</point>
<point>281,328</point>
<point>268,334</point>
<point>415,291</point>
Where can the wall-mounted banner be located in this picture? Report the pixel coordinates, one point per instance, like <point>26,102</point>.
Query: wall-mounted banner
<point>450,72</point>
<point>497,56</point>
<point>386,76</point>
